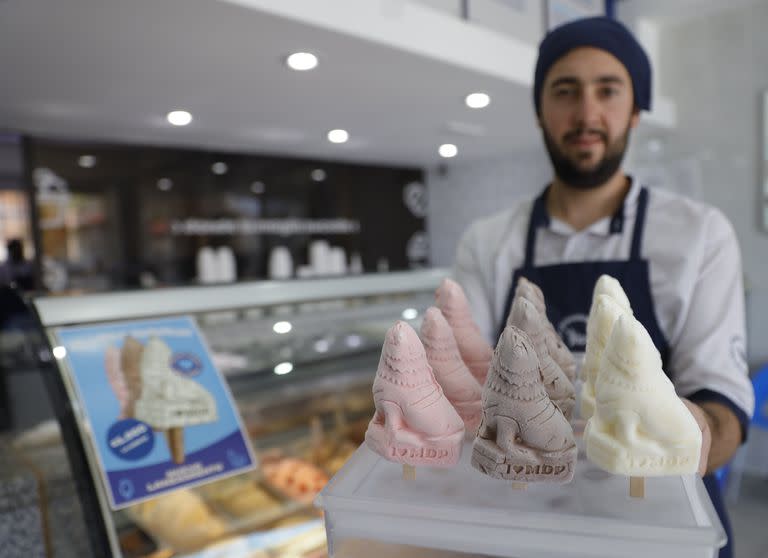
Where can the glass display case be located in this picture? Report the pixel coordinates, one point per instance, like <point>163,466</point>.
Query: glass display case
<point>372,509</point>
<point>298,357</point>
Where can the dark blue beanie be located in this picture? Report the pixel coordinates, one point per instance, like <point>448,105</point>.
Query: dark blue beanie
<point>598,32</point>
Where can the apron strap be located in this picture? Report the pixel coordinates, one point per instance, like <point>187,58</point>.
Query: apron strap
<point>539,218</point>
<point>637,234</point>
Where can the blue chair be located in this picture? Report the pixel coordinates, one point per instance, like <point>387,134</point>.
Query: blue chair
<point>722,476</point>
<point>760,385</point>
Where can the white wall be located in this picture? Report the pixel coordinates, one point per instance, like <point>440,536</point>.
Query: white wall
<point>461,193</point>
<point>714,66</point>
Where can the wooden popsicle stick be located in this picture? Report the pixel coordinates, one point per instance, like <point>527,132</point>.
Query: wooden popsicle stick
<point>409,472</point>
<point>637,487</point>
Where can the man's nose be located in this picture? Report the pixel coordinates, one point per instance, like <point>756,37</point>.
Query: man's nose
<point>587,110</point>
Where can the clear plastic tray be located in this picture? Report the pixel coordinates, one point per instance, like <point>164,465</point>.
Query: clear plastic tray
<point>371,511</point>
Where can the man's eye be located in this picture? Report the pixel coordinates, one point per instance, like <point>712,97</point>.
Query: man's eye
<point>609,92</point>
<point>563,92</point>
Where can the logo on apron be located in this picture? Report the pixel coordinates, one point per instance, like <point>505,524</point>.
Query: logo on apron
<point>573,330</point>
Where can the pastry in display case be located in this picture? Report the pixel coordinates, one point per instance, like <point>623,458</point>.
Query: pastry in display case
<point>296,361</point>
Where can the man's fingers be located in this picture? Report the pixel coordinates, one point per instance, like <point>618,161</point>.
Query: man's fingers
<point>706,435</point>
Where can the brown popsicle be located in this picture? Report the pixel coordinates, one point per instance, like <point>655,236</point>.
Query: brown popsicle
<point>557,348</point>
<point>524,316</point>
<point>523,436</point>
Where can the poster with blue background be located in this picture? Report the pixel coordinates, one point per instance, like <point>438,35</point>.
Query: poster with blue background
<point>160,415</point>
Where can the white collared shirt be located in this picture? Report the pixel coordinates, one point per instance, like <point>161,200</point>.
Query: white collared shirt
<point>695,276</point>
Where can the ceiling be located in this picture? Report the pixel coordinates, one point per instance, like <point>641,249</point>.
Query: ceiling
<point>676,11</point>
<point>111,70</point>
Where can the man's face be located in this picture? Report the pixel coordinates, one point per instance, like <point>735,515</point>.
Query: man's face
<point>586,114</point>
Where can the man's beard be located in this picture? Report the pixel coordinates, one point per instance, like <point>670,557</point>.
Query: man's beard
<point>572,175</point>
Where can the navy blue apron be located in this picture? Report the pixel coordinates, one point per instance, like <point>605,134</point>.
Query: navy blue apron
<point>568,292</point>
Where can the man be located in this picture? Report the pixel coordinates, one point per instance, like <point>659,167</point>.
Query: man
<point>678,260</point>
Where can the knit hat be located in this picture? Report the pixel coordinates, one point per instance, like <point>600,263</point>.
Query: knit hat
<point>599,32</point>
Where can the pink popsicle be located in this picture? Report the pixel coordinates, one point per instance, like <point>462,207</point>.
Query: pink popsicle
<point>116,379</point>
<point>460,387</point>
<point>474,349</point>
<point>414,423</point>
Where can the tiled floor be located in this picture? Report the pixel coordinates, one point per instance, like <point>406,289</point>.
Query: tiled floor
<point>749,518</point>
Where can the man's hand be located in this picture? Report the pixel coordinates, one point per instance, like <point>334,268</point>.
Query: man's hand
<point>706,434</point>
<point>721,433</point>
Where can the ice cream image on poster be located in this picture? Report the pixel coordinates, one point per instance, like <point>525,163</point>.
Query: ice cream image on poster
<point>170,402</point>
<point>156,412</point>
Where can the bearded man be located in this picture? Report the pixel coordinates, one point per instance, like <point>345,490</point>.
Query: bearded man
<point>678,260</point>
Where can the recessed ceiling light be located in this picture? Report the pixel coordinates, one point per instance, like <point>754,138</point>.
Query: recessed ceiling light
<point>164,184</point>
<point>410,314</point>
<point>338,136</point>
<point>219,168</point>
<point>179,117</point>
<point>282,327</point>
<point>302,61</point>
<point>448,150</point>
<point>257,187</point>
<point>87,161</point>
<point>322,345</point>
<point>353,341</point>
<point>318,175</point>
<point>283,368</point>
<point>477,100</point>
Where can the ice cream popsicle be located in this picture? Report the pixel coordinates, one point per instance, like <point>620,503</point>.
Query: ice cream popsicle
<point>640,427</point>
<point>523,436</point>
<point>414,423</point>
<point>557,348</point>
<point>130,359</point>
<point>116,379</point>
<point>459,386</point>
<point>524,316</point>
<point>608,303</point>
<point>610,286</point>
<point>474,349</point>
<point>169,401</point>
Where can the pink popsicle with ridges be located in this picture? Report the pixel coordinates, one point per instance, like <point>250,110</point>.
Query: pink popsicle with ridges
<point>116,379</point>
<point>459,386</point>
<point>414,423</point>
<point>474,349</point>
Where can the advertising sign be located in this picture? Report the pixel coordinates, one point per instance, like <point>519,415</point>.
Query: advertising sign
<point>159,414</point>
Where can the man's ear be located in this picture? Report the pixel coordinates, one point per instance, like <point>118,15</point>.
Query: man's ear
<point>634,120</point>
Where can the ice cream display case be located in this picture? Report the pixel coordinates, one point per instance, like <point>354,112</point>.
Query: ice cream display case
<point>372,510</point>
<point>536,478</point>
<point>204,421</point>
